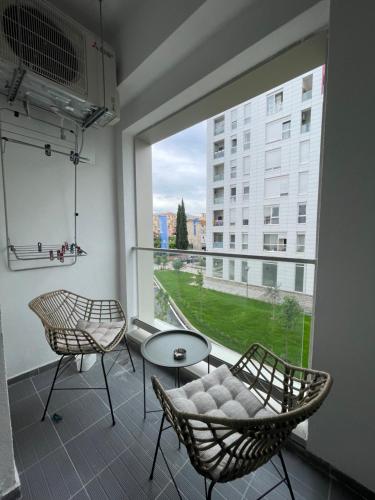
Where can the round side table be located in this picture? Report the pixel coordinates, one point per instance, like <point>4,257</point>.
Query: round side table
<point>158,349</point>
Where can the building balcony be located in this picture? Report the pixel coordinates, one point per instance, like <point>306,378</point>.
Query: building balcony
<point>219,177</point>
<point>219,200</point>
<point>218,222</point>
<point>218,154</point>
<point>217,244</point>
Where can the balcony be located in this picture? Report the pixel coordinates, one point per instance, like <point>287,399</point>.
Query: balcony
<point>219,128</point>
<point>218,200</point>
<point>219,177</point>
<point>217,244</point>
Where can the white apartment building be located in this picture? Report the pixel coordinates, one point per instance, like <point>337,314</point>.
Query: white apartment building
<point>262,185</point>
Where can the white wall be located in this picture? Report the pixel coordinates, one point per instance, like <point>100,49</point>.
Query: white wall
<point>96,275</point>
<point>342,432</point>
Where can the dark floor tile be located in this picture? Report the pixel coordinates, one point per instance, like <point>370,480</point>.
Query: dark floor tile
<point>113,488</point>
<point>61,398</point>
<point>20,390</point>
<point>34,442</point>
<point>92,450</point>
<point>52,478</point>
<point>26,411</point>
<point>95,490</point>
<point>81,495</point>
<point>45,378</point>
<point>78,415</point>
<point>126,478</point>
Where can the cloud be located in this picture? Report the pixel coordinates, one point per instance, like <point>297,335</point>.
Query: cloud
<point>179,171</point>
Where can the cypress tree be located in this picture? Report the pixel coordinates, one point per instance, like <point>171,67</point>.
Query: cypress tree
<point>178,225</point>
<point>184,242</point>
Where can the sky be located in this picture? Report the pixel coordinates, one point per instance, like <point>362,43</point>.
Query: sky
<point>179,171</point>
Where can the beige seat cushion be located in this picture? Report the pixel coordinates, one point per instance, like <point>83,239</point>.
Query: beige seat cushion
<point>218,394</point>
<point>103,333</point>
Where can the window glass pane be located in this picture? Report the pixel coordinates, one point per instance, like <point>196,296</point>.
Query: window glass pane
<point>304,151</point>
<point>269,274</point>
<point>273,159</point>
<point>303,179</point>
<point>246,165</point>
<point>299,278</point>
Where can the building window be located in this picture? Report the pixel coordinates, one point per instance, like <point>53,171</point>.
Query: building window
<point>218,196</point>
<point>274,103</point>
<point>299,278</point>
<point>286,129</point>
<point>300,242</point>
<point>245,216</point>
<point>245,241</point>
<point>231,268</point>
<point>307,83</point>
<point>269,274</point>
<point>218,240</point>
<point>273,160</point>
<point>303,182</point>
<point>217,268</point>
<point>246,190</point>
<point>302,213</point>
<point>304,151</point>
<point>246,165</point>
<point>233,169</point>
<point>232,216</point>
<point>218,217</point>
<point>219,125</point>
<point>232,241</point>
<point>305,121</point>
<point>233,194</point>
<point>218,149</point>
<point>274,242</point>
<point>233,144</point>
<point>276,186</point>
<point>246,113</point>
<point>219,172</point>
<point>271,214</point>
<point>246,140</point>
<point>244,272</point>
<point>233,118</point>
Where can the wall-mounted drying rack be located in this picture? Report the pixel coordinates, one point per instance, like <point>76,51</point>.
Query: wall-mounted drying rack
<point>64,254</point>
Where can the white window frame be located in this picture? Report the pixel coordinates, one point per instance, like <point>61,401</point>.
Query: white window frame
<point>299,266</point>
<point>233,144</point>
<point>232,220</point>
<point>233,169</point>
<point>307,94</point>
<point>279,244</point>
<point>286,127</point>
<point>245,195</point>
<point>244,161</point>
<point>246,143</point>
<point>219,125</point>
<point>303,161</point>
<point>272,218</point>
<point>234,119</point>
<point>244,241</point>
<point>273,264</point>
<point>233,194</point>
<point>305,127</point>
<point>267,155</point>
<point>232,241</point>
<point>247,113</point>
<point>245,220</point>
<point>275,102</point>
<point>300,247</point>
<point>301,218</point>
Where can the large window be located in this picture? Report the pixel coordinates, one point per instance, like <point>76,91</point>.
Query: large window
<point>304,151</point>
<point>217,267</point>
<point>232,241</point>
<point>246,165</point>
<point>301,242</point>
<point>274,103</point>
<point>233,169</point>
<point>276,186</point>
<point>246,140</point>
<point>218,240</point>
<point>274,242</point>
<point>245,271</point>
<point>233,118</point>
<point>305,121</point>
<point>219,149</point>
<point>273,159</point>
<point>231,270</point>
<point>245,241</point>
<point>301,213</point>
<point>303,182</point>
<point>233,144</point>
<point>219,125</point>
<point>269,275</point>
<point>245,216</point>
<point>233,194</point>
<point>307,83</point>
<point>299,278</point>
<point>247,113</point>
<point>245,192</point>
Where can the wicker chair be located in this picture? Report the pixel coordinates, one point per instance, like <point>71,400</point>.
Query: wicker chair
<point>224,449</point>
<point>75,325</point>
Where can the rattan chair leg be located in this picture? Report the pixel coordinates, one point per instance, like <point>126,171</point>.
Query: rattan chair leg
<point>108,393</point>
<point>80,367</point>
<point>130,354</point>
<point>157,447</point>
<point>288,483</point>
<point>52,386</point>
<point>211,487</point>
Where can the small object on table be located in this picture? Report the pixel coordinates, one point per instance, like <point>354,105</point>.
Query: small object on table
<point>39,246</point>
<point>179,353</point>
<point>51,255</point>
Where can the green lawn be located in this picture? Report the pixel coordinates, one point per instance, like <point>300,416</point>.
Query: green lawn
<point>236,322</point>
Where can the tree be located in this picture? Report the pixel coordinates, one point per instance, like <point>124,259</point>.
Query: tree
<point>157,241</point>
<point>182,241</point>
<point>172,242</point>
<point>199,281</point>
<point>177,264</point>
<point>157,259</point>
<point>290,312</point>
<point>164,260</point>
<point>273,294</point>
<point>162,304</point>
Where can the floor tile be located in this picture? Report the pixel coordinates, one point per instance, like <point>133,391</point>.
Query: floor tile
<point>26,411</point>
<point>20,390</point>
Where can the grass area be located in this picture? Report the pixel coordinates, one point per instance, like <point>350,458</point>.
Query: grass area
<point>236,322</point>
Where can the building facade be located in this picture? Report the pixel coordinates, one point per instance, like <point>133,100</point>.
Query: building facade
<point>263,161</point>
<point>196,227</point>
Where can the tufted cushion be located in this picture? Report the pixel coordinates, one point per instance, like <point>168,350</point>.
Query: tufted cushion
<point>218,394</point>
<point>104,333</point>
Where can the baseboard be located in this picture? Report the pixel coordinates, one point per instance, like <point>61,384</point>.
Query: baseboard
<point>13,494</point>
<point>32,373</point>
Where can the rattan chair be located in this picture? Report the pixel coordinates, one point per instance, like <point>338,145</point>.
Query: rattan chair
<point>75,325</point>
<point>224,449</point>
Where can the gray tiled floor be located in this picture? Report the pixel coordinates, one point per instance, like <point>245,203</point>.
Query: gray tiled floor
<point>83,456</point>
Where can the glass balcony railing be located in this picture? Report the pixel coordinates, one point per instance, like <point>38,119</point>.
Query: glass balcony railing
<point>219,129</point>
<point>218,244</point>
<point>219,154</point>
<point>219,177</point>
<point>218,200</point>
<point>219,222</point>
<point>234,300</point>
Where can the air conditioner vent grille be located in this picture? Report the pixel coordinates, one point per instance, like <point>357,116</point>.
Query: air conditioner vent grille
<point>46,42</point>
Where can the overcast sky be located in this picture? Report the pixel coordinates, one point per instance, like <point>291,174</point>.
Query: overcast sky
<point>179,171</point>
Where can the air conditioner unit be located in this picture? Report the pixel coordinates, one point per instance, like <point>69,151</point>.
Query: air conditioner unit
<point>49,60</point>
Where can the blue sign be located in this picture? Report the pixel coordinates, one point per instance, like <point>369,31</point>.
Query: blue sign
<point>163,225</point>
<point>195,224</point>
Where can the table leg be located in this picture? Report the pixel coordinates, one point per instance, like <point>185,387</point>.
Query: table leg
<point>178,377</point>
<point>144,389</point>
<point>208,363</point>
